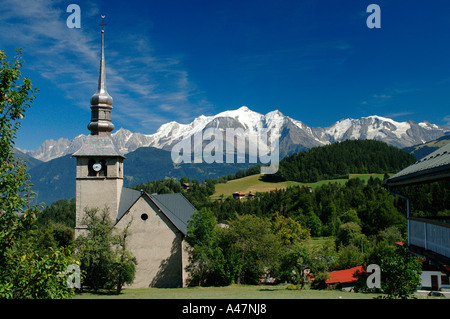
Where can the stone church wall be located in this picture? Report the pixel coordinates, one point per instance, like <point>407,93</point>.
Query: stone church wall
<point>156,244</point>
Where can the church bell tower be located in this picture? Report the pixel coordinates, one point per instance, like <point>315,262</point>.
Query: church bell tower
<point>99,175</point>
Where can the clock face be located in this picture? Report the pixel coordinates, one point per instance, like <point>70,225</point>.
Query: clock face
<point>97,166</point>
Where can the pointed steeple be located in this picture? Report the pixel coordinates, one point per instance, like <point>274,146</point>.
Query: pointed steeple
<point>101,101</point>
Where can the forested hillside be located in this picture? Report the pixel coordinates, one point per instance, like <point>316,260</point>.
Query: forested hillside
<point>323,210</point>
<point>360,220</point>
<point>340,159</point>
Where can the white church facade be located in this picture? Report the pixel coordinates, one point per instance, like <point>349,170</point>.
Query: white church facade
<point>157,224</point>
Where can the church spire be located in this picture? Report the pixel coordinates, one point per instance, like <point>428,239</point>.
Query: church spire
<point>101,101</point>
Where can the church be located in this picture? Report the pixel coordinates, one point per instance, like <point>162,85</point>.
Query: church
<point>157,222</point>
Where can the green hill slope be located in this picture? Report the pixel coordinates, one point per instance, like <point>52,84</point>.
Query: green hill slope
<point>422,150</point>
<point>257,184</point>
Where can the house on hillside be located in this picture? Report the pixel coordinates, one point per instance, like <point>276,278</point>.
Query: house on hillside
<point>185,185</point>
<point>251,195</point>
<point>238,195</point>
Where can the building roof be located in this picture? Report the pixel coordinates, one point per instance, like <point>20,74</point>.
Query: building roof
<point>433,167</point>
<point>98,145</point>
<point>174,206</point>
<point>239,193</point>
<point>127,198</point>
<point>344,276</point>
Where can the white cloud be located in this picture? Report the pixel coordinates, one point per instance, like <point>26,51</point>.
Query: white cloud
<point>382,96</point>
<point>446,120</point>
<point>141,83</point>
<point>399,114</point>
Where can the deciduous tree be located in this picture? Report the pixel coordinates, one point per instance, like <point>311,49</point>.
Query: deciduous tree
<point>26,270</point>
<point>400,273</point>
<point>105,261</point>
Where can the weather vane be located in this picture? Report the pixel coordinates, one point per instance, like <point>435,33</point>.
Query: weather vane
<point>102,24</point>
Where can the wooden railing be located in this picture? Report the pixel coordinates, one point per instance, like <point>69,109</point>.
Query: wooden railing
<point>429,234</point>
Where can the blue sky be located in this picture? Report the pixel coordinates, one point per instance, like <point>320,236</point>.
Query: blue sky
<point>173,60</point>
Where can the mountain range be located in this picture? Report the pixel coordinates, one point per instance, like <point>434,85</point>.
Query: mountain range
<point>293,135</point>
<point>52,169</point>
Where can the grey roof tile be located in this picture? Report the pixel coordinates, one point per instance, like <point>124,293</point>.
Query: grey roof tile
<point>432,167</point>
<point>174,206</point>
<point>127,198</point>
<point>98,145</point>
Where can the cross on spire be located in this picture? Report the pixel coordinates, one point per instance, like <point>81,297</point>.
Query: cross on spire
<point>102,24</point>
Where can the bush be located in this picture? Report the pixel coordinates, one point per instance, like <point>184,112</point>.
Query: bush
<point>400,271</point>
<point>320,280</point>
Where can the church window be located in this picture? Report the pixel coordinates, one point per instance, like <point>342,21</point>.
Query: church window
<point>91,171</point>
<point>104,170</point>
<point>144,216</point>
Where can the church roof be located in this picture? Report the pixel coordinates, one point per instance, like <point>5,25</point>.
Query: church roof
<point>433,167</point>
<point>98,145</point>
<point>127,198</point>
<point>174,206</point>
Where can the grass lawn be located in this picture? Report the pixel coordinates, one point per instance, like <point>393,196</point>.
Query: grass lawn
<point>229,292</point>
<point>254,184</point>
<point>321,240</point>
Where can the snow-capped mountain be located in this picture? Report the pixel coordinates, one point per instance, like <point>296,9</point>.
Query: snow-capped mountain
<point>293,135</point>
<point>399,134</point>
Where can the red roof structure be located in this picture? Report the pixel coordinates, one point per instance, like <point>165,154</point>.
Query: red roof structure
<point>238,195</point>
<point>344,276</point>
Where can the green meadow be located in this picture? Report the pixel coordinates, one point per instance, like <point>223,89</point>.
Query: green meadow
<point>229,292</point>
<point>255,184</point>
